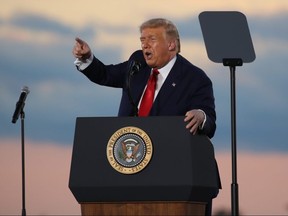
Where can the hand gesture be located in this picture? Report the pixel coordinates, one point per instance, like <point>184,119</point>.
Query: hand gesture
<point>81,49</point>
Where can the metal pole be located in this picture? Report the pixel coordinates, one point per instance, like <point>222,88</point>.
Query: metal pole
<point>23,163</point>
<point>234,185</point>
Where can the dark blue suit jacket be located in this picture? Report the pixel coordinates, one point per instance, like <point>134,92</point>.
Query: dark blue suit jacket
<point>187,87</point>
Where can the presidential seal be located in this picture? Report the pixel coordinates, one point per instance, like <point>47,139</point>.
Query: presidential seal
<point>129,150</point>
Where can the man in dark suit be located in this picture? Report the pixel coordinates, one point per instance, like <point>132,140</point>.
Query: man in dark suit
<point>182,88</point>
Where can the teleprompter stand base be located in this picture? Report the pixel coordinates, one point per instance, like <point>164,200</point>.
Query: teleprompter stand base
<point>154,208</point>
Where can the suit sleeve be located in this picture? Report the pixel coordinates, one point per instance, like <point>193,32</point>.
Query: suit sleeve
<point>207,104</point>
<point>106,75</point>
<point>113,75</point>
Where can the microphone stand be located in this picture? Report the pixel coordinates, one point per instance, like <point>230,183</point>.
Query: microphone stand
<point>135,108</point>
<point>22,116</point>
<point>133,68</point>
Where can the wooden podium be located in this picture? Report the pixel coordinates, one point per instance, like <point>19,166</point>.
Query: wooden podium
<point>180,178</point>
<point>144,208</point>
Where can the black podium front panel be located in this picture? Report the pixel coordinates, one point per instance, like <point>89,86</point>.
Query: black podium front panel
<point>182,166</point>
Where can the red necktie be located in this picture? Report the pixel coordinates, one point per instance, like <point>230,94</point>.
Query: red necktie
<point>148,96</point>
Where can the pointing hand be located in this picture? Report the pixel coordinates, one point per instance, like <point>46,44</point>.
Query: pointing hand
<point>81,49</point>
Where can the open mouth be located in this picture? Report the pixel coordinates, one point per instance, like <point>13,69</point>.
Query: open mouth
<point>148,55</point>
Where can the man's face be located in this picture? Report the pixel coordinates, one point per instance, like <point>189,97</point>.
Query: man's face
<point>156,47</point>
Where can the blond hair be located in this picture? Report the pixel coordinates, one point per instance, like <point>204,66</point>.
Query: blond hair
<point>169,27</point>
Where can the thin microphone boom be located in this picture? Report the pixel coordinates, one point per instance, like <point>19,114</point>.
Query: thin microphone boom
<point>133,68</point>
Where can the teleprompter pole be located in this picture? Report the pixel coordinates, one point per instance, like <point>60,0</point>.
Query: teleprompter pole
<point>228,41</point>
<point>232,63</point>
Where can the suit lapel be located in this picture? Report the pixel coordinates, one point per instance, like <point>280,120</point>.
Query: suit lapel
<point>139,82</point>
<point>168,88</point>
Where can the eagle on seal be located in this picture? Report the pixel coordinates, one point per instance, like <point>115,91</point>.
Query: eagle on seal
<point>130,151</point>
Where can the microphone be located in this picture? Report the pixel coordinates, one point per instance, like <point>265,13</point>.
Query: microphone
<point>135,67</point>
<point>20,104</point>
<point>135,63</point>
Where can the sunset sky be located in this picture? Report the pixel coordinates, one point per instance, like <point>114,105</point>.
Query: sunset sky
<point>36,40</point>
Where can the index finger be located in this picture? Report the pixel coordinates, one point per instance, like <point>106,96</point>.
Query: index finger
<point>81,42</point>
<point>188,116</point>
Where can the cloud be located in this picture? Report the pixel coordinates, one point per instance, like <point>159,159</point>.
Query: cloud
<point>36,51</point>
<point>269,26</point>
<point>37,23</point>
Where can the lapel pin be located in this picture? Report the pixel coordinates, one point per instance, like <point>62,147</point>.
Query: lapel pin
<point>173,84</point>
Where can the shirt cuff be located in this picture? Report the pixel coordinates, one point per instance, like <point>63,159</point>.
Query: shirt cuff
<point>204,121</point>
<point>83,64</point>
